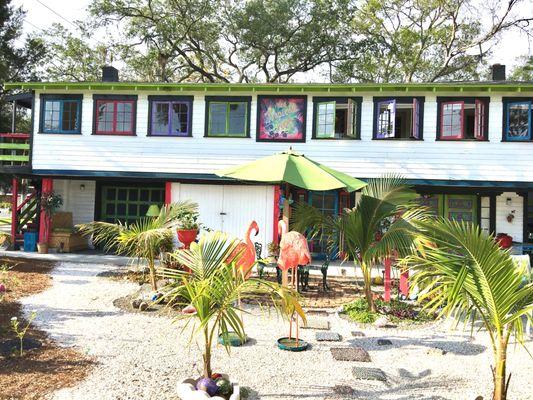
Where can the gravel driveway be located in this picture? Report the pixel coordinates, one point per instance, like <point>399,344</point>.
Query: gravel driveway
<point>143,356</point>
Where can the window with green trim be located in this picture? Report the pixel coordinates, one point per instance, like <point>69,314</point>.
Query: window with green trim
<point>228,118</point>
<point>128,204</point>
<point>336,118</point>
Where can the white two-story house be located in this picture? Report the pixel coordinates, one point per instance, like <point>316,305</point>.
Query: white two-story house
<point>112,148</point>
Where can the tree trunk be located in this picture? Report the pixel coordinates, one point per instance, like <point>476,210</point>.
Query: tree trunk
<point>367,277</point>
<point>153,280</point>
<point>207,355</point>
<point>499,371</point>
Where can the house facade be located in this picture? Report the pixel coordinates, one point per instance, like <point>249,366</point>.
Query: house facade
<point>111,149</point>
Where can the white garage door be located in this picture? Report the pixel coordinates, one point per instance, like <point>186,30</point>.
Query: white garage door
<point>231,208</point>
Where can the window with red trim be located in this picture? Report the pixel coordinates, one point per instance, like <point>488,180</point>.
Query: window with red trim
<point>115,117</point>
<point>462,119</point>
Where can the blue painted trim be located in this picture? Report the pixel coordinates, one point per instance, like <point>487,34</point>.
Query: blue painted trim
<point>517,139</point>
<point>61,102</point>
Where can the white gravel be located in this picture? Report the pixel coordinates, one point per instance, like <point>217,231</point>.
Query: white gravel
<point>143,356</point>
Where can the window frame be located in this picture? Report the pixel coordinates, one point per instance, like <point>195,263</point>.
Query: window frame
<point>465,100</point>
<point>189,100</point>
<point>400,100</point>
<point>132,99</point>
<point>228,100</point>
<point>43,98</point>
<point>358,101</point>
<point>507,101</point>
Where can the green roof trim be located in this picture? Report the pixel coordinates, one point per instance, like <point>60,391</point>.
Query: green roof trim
<point>278,87</point>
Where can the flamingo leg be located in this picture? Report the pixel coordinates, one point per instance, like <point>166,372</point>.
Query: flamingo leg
<point>290,328</point>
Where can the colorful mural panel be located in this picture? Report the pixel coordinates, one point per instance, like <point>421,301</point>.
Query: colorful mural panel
<point>281,119</point>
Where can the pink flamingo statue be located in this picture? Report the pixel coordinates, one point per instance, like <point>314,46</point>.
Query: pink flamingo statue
<point>293,251</point>
<point>246,260</point>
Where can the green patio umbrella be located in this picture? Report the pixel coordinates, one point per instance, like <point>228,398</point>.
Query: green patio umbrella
<point>295,169</point>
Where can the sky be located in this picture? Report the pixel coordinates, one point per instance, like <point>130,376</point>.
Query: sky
<point>40,16</point>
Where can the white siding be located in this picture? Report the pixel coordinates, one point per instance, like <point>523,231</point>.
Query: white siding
<point>514,228</point>
<point>79,202</point>
<point>427,159</point>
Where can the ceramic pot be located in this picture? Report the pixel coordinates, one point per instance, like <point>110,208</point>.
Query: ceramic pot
<point>187,236</point>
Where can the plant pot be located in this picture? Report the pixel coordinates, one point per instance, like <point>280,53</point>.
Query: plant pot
<point>231,339</point>
<point>186,390</point>
<point>187,236</point>
<point>42,248</point>
<point>290,344</point>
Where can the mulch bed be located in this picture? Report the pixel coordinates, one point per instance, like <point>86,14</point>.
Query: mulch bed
<point>43,370</point>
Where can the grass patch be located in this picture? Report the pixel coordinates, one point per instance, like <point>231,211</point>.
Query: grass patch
<point>397,312</point>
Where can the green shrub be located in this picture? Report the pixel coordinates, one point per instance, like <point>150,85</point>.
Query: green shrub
<point>5,204</point>
<point>397,311</point>
<point>358,311</point>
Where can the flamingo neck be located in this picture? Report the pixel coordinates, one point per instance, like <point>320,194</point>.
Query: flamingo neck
<point>282,228</point>
<point>248,240</point>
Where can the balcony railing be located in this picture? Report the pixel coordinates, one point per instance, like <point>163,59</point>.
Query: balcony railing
<point>14,149</point>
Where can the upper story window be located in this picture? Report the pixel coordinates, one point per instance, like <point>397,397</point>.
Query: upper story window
<point>337,117</point>
<point>517,119</point>
<point>170,115</point>
<point>60,113</point>
<point>114,115</point>
<point>398,117</point>
<point>462,118</point>
<point>227,116</point>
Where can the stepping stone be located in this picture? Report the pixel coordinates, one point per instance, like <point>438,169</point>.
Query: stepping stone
<point>350,354</point>
<point>317,323</point>
<point>343,390</point>
<point>328,337</point>
<point>369,374</point>
<point>358,334</point>
<point>384,342</point>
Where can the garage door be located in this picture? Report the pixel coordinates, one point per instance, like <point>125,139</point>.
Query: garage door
<point>231,208</point>
<point>128,203</point>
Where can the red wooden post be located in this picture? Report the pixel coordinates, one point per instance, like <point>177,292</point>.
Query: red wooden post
<point>168,192</point>
<point>14,206</point>
<point>387,280</point>
<point>44,221</point>
<point>277,196</point>
<point>404,283</point>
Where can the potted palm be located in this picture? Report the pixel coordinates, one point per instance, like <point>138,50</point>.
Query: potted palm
<point>49,203</point>
<point>188,227</point>
<point>209,298</point>
<point>463,271</point>
<point>144,239</point>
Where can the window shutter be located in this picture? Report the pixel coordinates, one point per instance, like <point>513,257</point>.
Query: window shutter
<point>386,119</point>
<point>479,120</point>
<point>350,120</point>
<point>416,119</point>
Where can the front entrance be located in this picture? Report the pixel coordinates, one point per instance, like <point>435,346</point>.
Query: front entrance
<point>458,207</point>
<point>328,203</point>
<point>126,204</point>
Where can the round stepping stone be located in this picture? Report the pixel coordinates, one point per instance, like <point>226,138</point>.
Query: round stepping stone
<point>317,323</point>
<point>384,342</point>
<point>370,374</point>
<point>358,334</point>
<point>350,354</point>
<point>328,337</point>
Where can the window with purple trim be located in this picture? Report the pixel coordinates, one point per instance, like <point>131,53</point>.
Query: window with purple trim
<point>398,118</point>
<point>170,118</point>
<point>115,117</point>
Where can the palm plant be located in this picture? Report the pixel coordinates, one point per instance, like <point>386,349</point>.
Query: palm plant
<point>144,239</point>
<point>464,272</point>
<point>379,225</point>
<point>213,289</point>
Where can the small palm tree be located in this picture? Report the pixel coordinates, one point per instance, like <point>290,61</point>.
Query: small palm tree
<point>464,272</point>
<point>212,291</point>
<point>379,225</point>
<point>144,239</point>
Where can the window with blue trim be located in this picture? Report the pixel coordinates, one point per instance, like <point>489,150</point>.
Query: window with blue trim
<point>518,120</point>
<point>60,115</point>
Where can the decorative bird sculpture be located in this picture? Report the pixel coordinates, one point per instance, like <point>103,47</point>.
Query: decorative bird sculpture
<point>245,261</point>
<point>293,251</point>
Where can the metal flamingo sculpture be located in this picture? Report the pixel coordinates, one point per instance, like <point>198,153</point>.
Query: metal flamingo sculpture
<point>244,253</point>
<point>293,251</point>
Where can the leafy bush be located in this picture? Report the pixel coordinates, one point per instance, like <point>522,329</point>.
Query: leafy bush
<point>396,310</point>
<point>5,205</point>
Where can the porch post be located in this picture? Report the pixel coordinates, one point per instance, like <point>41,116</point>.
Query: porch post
<point>168,192</point>
<point>387,279</point>
<point>14,206</point>
<point>404,283</point>
<point>277,195</point>
<point>44,221</point>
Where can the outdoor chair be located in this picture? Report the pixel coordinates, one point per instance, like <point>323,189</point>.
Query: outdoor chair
<point>64,236</point>
<point>303,274</point>
<point>262,264</point>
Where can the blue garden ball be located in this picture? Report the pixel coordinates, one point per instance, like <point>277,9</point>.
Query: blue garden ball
<point>207,385</point>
